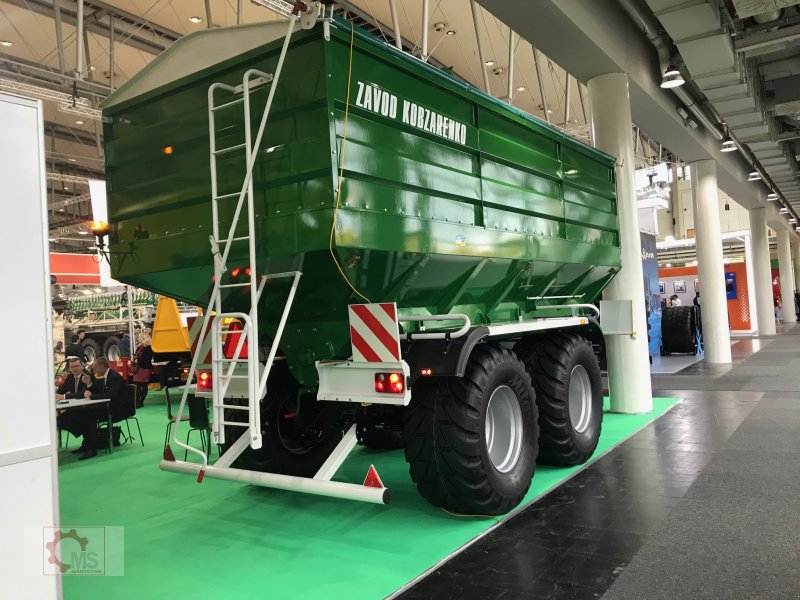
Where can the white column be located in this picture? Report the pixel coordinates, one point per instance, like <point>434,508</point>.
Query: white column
<point>710,268</point>
<point>786,274</point>
<point>762,271</point>
<point>796,254</point>
<point>628,363</point>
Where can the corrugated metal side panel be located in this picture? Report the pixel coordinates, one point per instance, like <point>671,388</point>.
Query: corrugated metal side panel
<point>492,191</point>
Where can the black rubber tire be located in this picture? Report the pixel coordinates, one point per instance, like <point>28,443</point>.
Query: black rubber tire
<point>444,432</point>
<point>550,364</point>
<point>275,454</point>
<point>91,349</point>
<point>678,329</point>
<point>110,343</point>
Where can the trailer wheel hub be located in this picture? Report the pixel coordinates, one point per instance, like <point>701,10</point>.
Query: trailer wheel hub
<point>503,429</point>
<point>580,398</point>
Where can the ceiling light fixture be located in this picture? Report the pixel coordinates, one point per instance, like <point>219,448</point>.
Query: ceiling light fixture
<point>195,19</point>
<point>672,78</point>
<point>498,70</point>
<point>668,265</point>
<point>521,88</point>
<point>6,43</point>
<point>451,32</point>
<point>754,175</point>
<point>772,196</point>
<point>78,122</point>
<point>783,210</point>
<point>489,63</point>
<point>727,145</point>
<point>83,233</point>
<point>440,26</point>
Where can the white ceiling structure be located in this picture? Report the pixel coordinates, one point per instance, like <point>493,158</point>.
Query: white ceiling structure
<point>122,36</point>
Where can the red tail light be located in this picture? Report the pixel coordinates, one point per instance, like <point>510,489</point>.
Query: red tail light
<point>204,380</point>
<point>390,383</point>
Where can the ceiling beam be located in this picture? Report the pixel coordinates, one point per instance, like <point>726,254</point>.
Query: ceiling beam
<point>129,29</point>
<point>31,72</point>
<point>68,134</point>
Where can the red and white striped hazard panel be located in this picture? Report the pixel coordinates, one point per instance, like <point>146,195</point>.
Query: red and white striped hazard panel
<point>195,324</point>
<point>374,332</point>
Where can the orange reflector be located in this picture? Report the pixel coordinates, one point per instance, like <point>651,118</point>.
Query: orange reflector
<point>373,479</point>
<point>168,455</point>
<point>167,150</point>
<point>236,271</point>
<point>426,372</point>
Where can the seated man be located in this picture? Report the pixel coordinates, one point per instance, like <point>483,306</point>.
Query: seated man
<point>77,382</point>
<point>83,421</point>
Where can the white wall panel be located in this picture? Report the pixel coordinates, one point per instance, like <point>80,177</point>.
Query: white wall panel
<point>28,470</point>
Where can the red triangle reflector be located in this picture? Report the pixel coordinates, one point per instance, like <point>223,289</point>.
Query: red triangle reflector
<point>372,479</point>
<point>168,455</point>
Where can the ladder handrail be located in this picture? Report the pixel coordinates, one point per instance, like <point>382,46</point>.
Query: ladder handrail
<point>214,299</point>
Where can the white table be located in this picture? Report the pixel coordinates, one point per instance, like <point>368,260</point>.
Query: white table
<point>78,402</point>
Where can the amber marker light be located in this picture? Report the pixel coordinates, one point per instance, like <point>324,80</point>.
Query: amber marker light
<point>99,228</point>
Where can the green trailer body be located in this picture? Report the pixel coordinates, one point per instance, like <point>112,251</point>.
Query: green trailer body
<point>450,201</point>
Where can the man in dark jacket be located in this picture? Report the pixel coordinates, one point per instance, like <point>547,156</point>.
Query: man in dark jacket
<point>80,421</point>
<point>77,382</point>
<point>75,348</point>
<point>106,384</point>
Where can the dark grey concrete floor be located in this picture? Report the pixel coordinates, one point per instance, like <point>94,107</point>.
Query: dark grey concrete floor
<point>699,504</point>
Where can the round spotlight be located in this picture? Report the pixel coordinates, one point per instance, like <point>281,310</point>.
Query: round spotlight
<point>672,78</point>
<point>489,63</point>
<point>195,19</point>
<point>727,145</point>
<point>521,88</point>
<point>6,43</point>
<point>451,32</point>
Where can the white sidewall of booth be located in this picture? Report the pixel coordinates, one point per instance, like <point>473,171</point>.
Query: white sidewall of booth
<point>28,453</point>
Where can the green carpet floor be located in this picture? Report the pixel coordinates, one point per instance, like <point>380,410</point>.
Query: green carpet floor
<point>223,540</point>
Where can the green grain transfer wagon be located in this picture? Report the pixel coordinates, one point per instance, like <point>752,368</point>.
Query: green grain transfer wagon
<point>423,219</point>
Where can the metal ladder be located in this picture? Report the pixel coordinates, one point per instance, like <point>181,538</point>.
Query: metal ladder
<point>224,368</point>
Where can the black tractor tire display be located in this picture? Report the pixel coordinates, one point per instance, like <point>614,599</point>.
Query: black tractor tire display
<point>471,441</point>
<point>293,442</point>
<point>678,329</point>
<point>91,349</point>
<point>112,349</point>
<point>569,394</point>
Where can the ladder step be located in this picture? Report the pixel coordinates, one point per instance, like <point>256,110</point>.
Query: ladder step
<point>233,239</point>
<point>233,376</point>
<point>236,423</point>
<point>226,196</point>
<point>233,285</point>
<point>230,149</point>
<point>232,407</point>
<point>227,104</point>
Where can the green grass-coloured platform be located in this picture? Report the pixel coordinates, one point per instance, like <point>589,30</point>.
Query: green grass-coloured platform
<point>225,540</point>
